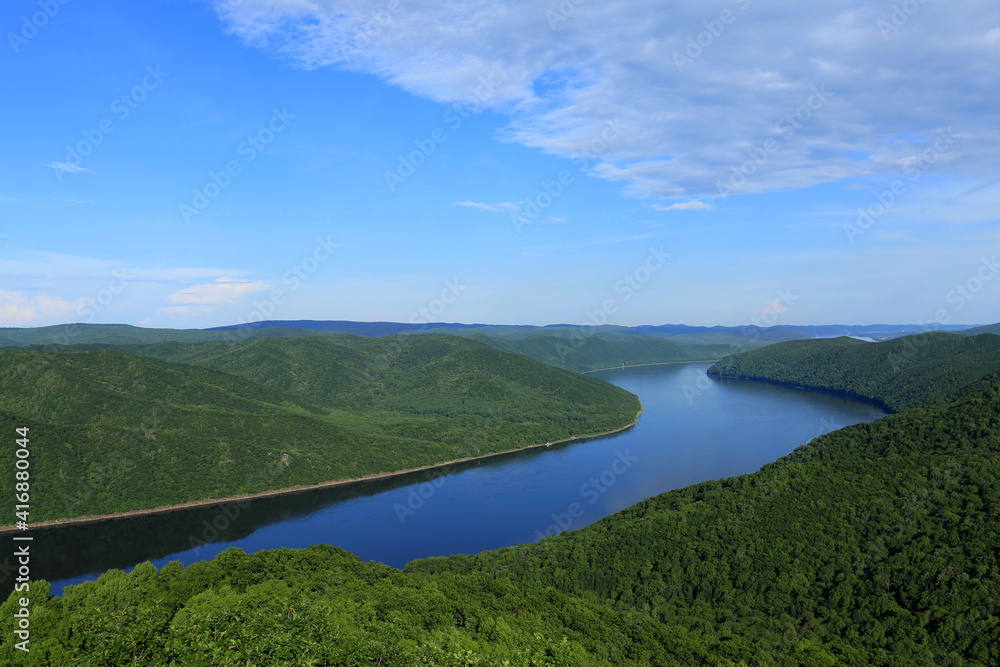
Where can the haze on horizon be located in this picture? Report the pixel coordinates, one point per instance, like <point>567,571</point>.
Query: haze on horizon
<point>704,164</point>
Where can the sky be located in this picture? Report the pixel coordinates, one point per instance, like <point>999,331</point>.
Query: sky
<point>197,163</point>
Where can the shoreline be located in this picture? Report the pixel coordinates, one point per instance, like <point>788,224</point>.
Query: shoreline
<point>302,488</point>
<point>823,390</point>
<point>655,363</point>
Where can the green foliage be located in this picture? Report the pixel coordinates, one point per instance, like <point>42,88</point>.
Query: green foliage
<point>899,374</point>
<point>589,352</point>
<point>975,331</point>
<point>873,545</point>
<point>115,431</point>
<point>124,334</point>
<point>323,606</point>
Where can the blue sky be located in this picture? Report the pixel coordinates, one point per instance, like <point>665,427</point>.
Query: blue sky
<point>193,164</point>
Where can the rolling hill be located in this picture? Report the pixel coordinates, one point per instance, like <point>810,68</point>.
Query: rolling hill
<point>605,350</point>
<point>120,431</point>
<point>899,373</point>
<point>872,546</point>
<point>975,331</point>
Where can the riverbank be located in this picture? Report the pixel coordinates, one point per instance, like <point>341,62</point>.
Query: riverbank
<point>655,363</point>
<point>164,509</point>
<point>843,393</point>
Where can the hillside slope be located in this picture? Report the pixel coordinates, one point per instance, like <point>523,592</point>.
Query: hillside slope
<point>875,545</point>
<point>598,351</point>
<point>118,431</point>
<point>975,331</point>
<point>900,373</point>
<point>877,542</point>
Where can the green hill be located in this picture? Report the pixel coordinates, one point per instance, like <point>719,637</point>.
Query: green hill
<point>605,350</point>
<point>975,331</point>
<point>126,334</point>
<point>874,545</point>
<point>117,431</point>
<point>876,542</point>
<point>899,373</point>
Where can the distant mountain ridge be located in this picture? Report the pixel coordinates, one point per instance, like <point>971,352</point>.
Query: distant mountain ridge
<point>126,334</point>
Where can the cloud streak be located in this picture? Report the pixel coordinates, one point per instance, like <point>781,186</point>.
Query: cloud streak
<point>691,205</point>
<point>69,168</point>
<point>493,208</point>
<point>222,291</point>
<point>685,128</point>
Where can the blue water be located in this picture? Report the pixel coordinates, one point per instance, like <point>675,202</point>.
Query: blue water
<point>692,429</point>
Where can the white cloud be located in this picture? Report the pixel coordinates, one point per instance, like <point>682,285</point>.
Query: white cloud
<point>495,208</point>
<point>689,115</point>
<point>768,310</point>
<point>222,291</point>
<point>18,309</point>
<point>68,168</point>
<point>692,205</point>
<point>31,266</point>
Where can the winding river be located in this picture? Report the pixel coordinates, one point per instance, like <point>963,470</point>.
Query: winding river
<point>692,429</point>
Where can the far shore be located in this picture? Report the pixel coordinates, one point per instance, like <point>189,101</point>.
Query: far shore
<point>655,363</point>
<point>164,509</point>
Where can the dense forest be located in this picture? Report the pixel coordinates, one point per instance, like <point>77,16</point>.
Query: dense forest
<point>899,374</point>
<point>873,545</point>
<point>117,431</point>
<point>607,350</point>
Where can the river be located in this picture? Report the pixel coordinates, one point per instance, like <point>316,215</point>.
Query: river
<point>692,429</point>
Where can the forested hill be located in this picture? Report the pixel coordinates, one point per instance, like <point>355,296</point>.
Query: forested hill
<point>975,331</point>
<point>874,545</point>
<point>116,431</point>
<point>606,350</point>
<point>438,373</point>
<point>900,373</point>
